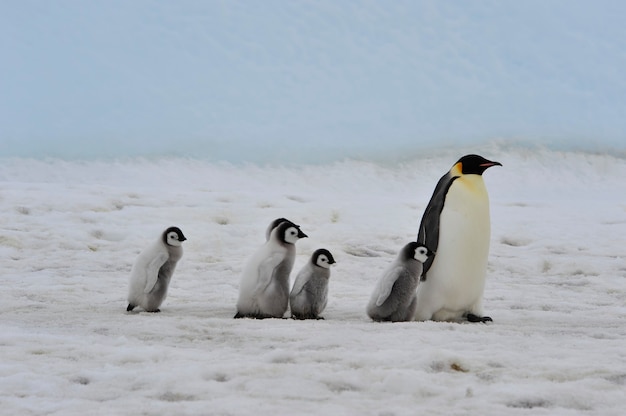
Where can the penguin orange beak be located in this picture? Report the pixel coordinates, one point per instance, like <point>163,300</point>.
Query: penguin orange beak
<point>490,164</point>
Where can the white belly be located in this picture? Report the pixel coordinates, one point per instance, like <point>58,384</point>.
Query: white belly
<point>456,279</point>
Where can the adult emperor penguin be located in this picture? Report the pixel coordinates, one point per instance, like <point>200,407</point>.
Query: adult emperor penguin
<point>264,288</point>
<point>153,270</point>
<point>456,226</point>
<point>309,294</point>
<point>393,298</point>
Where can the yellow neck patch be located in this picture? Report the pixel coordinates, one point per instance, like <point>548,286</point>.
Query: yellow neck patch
<point>457,170</point>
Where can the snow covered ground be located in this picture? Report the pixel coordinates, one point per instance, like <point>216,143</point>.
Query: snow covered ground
<point>70,231</point>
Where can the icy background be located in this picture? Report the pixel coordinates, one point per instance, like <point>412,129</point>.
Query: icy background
<point>308,80</point>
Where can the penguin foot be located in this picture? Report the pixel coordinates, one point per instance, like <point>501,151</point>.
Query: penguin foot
<point>154,311</point>
<point>475,318</point>
<point>302,317</point>
<point>240,315</point>
<point>130,307</point>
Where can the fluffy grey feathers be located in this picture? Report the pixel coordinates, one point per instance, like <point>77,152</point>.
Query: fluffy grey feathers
<point>393,298</point>
<point>309,294</point>
<point>153,270</point>
<point>264,288</point>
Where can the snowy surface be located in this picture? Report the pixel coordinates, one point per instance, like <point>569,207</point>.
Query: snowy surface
<point>70,231</point>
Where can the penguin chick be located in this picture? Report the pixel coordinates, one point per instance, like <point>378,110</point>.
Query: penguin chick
<point>309,294</point>
<point>394,297</point>
<point>456,225</point>
<point>153,270</point>
<point>275,224</point>
<point>264,288</point>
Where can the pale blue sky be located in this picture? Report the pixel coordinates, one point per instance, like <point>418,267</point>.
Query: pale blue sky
<point>307,80</point>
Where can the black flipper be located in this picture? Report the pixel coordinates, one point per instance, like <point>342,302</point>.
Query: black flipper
<point>130,307</point>
<point>428,233</point>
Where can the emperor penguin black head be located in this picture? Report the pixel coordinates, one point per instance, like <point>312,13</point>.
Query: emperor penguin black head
<point>416,251</point>
<point>275,224</point>
<point>474,165</point>
<point>322,258</point>
<point>288,232</point>
<point>173,236</point>
<point>277,221</point>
